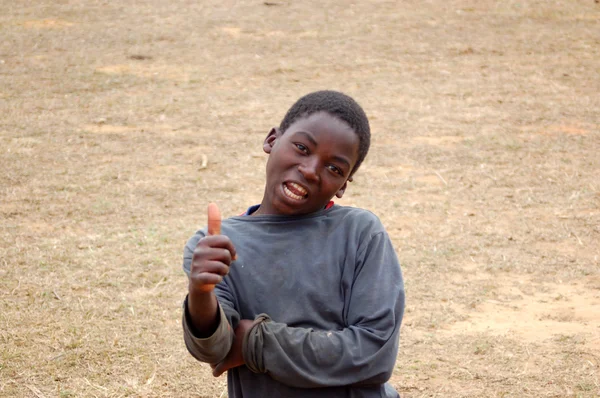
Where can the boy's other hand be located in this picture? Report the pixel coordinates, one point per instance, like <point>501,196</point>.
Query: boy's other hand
<point>212,256</point>
<point>235,357</point>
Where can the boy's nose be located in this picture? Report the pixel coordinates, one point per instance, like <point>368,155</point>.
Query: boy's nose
<point>309,170</point>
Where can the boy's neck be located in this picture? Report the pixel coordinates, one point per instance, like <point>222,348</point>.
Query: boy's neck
<point>254,210</point>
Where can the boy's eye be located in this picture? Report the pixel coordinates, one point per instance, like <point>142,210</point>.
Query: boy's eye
<point>301,147</point>
<point>336,169</point>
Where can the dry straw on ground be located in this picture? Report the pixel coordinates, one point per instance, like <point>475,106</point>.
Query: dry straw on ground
<point>120,121</point>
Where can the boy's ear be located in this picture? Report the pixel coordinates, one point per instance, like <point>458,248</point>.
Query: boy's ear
<point>341,191</point>
<point>270,140</point>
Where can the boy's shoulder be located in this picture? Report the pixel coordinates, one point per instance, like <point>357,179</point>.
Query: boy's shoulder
<point>363,218</point>
<point>355,213</point>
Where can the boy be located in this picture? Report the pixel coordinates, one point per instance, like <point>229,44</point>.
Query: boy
<point>299,297</point>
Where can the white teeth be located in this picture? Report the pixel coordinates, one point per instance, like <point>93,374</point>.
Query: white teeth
<point>300,188</point>
<point>291,194</point>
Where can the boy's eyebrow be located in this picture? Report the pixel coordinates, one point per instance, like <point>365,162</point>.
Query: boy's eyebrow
<point>308,137</point>
<point>342,160</point>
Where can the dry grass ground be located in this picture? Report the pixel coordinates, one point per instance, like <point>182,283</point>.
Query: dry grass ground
<point>485,168</point>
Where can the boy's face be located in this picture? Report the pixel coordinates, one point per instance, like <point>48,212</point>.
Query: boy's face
<point>308,164</point>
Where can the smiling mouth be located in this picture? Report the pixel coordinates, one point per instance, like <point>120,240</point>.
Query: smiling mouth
<point>294,191</point>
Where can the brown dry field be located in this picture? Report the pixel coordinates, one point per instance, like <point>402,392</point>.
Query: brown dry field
<point>484,168</point>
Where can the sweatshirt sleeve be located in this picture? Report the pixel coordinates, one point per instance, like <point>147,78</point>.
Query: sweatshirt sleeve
<point>362,353</point>
<point>214,348</point>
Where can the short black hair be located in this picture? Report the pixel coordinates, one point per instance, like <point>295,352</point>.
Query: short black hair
<point>338,105</point>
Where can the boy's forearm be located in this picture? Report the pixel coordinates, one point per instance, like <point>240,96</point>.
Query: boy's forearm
<point>203,311</point>
<point>212,346</point>
<point>306,358</point>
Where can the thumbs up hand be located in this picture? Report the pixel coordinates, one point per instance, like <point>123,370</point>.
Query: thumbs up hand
<point>212,257</point>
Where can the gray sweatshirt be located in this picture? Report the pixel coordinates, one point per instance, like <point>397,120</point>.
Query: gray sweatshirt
<point>331,292</point>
